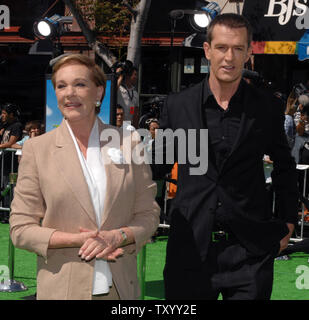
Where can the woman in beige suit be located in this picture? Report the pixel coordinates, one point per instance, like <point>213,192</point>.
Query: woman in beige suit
<point>77,204</point>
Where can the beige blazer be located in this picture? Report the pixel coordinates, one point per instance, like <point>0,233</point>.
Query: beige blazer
<point>52,194</point>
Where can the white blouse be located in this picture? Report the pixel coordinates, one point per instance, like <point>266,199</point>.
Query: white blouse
<point>94,172</point>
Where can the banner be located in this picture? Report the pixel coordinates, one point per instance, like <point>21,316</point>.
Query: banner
<point>277,20</point>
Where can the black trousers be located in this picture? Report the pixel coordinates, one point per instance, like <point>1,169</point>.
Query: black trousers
<point>229,269</point>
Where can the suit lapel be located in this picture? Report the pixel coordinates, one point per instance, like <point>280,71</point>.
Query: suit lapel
<point>115,173</point>
<point>67,161</point>
<point>212,170</point>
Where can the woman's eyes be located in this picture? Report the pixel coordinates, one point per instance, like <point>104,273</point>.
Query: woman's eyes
<point>78,84</point>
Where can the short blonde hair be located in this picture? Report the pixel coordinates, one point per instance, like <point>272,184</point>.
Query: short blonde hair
<point>98,76</point>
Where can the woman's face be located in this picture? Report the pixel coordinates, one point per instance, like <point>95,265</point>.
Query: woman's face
<point>76,92</point>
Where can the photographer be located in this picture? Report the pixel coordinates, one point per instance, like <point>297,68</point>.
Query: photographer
<point>127,95</point>
<point>302,126</point>
<point>300,118</point>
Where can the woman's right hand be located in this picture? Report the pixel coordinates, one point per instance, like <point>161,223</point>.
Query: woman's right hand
<point>60,239</point>
<point>86,234</point>
<point>99,247</point>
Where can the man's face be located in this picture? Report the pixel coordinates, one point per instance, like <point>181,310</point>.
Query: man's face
<point>119,117</point>
<point>153,127</point>
<point>228,52</point>
<point>133,77</point>
<point>4,116</point>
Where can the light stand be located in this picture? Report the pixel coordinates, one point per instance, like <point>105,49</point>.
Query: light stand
<point>174,15</point>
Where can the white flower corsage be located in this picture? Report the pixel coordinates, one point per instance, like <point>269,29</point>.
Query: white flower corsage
<point>127,125</point>
<point>116,155</point>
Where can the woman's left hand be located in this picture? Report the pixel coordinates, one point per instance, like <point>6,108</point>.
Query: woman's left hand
<point>105,246</point>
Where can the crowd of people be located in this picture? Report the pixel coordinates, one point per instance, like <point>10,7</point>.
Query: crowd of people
<point>297,125</point>
<point>12,136</point>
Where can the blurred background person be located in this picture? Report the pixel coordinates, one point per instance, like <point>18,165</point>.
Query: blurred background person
<point>127,95</point>
<point>12,128</point>
<point>32,129</point>
<point>302,126</point>
<point>11,133</point>
<point>119,116</point>
<point>153,125</point>
<point>289,124</point>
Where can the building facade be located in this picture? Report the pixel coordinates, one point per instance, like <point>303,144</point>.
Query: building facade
<point>166,64</point>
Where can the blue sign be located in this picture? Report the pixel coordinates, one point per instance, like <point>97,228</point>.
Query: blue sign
<point>303,47</point>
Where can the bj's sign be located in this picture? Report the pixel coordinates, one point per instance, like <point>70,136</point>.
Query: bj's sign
<point>277,20</point>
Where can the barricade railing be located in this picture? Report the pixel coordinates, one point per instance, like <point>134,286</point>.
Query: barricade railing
<point>11,158</point>
<point>8,283</point>
<point>4,183</point>
<point>302,167</point>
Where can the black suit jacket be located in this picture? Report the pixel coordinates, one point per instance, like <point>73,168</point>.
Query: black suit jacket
<point>238,186</point>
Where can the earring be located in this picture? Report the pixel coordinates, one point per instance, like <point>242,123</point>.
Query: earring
<point>98,104</point>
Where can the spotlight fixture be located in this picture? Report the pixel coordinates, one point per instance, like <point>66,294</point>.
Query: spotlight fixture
<point>51,27</point>
<point>200,20</point>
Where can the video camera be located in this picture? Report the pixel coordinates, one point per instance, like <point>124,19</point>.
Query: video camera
<point>300,89</point>
<point>151,109</point>
<point>126,67</point>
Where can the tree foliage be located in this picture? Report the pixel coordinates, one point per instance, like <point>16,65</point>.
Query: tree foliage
<point>114,18</point>
<point>109,17</point>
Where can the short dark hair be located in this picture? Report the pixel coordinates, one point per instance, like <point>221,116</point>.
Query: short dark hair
<point>32,124</point>
<point>132,70</point>
<point>231,20</point>
<point>11,108</point>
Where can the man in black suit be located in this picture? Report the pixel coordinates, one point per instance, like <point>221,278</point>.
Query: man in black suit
<point>223,238</point>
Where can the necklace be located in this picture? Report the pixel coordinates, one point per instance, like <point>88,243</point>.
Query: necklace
<point>131,95</point>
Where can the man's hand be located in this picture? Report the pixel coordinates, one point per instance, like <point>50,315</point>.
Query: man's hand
<point>285,241</point>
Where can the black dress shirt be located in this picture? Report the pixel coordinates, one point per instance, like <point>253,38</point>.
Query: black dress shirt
<point>223,125</point>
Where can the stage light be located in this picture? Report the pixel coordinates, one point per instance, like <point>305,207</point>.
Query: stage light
<point>51,27</point>
<point>44,29</point>
<point>200,20</point>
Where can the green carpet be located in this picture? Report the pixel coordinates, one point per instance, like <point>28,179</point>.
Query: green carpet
<point>285,277</point>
